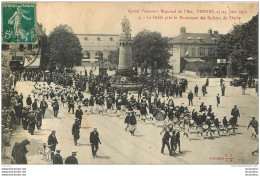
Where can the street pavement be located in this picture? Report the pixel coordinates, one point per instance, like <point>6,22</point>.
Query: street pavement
<point>119,147</point>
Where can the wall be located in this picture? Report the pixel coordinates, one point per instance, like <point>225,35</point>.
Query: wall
<point>175,59</point>
<point>90,43</point>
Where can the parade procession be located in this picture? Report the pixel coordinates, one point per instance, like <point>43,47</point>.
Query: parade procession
<point>61,105</point>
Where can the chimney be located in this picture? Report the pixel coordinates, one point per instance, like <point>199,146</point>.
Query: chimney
<point>215,32</point>
<point>210,31</point>
<point>182,30</point>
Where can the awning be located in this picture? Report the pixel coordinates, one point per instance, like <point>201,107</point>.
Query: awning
<point>32,62</point>
<point>221,61</point>
<point>251,58</point>
<point>194,60</point>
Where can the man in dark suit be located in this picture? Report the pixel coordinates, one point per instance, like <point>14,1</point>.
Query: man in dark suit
<point>223,88</point>
<point>79,114</point>
<point>43,106</point>
<point>235,113</point>
<point>190,97</point>
<point>52,142</point>
<point>75,131</point>
<point>72,159</point>
<point>196,90</point>
<point>71,105</point>
<point>218,100</point>
<point>94,140</point>
<point>29,100</point>
<point>204,90</point>
<point>57,158</point>
<point>34,105</point>
<point>165,141</point>
<point>55,106</point>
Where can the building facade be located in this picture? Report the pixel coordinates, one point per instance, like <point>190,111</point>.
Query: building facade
<point>96,47</point>
<point>192,47</point>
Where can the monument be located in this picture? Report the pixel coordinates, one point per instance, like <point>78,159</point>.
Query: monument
<point>124,76</point>
<point>125,65</point>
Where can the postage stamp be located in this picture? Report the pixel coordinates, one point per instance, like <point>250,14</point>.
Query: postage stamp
<point>18,22</point>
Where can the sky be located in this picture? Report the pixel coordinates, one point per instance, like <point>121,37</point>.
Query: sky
<point>105,17</point>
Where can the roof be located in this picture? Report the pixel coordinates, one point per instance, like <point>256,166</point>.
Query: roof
<point>195,38</point>
<point>194,60</point>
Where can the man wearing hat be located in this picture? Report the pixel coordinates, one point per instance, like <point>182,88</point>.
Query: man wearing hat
<point>196,90</point>
<point>52,142</point>
<point>91,104</point>
<point>43,106</point>
<point>143,110</point>
<point>57,158</point>
<point>72,159</point>
<point>79,114</point>
<point>94,140</point>
<point>34,105</point>
<point>75,131</point>
<point>132,122</point>
<point>190,97</point>
<point>29,100</point>
<point>235,113</point>
<point>71,104</point>
<point>173,143</point>
<point>165,141</point>
<point>218,100</point>
<point>209,123</point>
<point>55,106</point>
<point>254,124</point>
<point>127,118</point>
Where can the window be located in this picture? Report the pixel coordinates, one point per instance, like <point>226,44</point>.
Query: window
<point>99,55</point>
<point>199,39</point>
<point>30,47</point>
<point>211,52</point>
<point>21,47</point>
<point>98,39</point>
<point>193,51</point>
<point>86,55</point>
<point>85,38</point>
<point>202,51</point>
<point>5,47</point>
<point>111,38</point>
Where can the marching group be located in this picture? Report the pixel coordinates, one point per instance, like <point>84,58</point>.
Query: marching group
<point>154,103</point>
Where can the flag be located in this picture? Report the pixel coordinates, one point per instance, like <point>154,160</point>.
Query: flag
<point>187,53</point>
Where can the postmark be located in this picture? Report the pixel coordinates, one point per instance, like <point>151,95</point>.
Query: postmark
<point>18,22</point>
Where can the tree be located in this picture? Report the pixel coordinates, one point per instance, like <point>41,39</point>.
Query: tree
<point>113,57</point>
<point>151,48</point>
<point>43,44</point>
<point>64,47</point>
<point>239,44</point>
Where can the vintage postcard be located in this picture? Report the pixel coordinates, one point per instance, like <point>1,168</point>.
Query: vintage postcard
<point>129,83</point>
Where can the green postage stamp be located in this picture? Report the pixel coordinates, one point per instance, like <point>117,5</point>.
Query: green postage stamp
<point>18,22</point>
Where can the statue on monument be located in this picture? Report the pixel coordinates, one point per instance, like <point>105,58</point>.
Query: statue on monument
<point>126,25</point>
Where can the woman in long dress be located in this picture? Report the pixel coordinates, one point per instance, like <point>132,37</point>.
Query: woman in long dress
<point>16,21</point>
<point>19,152</point>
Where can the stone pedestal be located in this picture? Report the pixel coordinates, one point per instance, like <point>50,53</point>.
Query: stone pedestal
<point>124,77</point>
<point>125,65</point>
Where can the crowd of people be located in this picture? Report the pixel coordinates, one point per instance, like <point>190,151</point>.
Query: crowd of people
<point>95,94</point>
